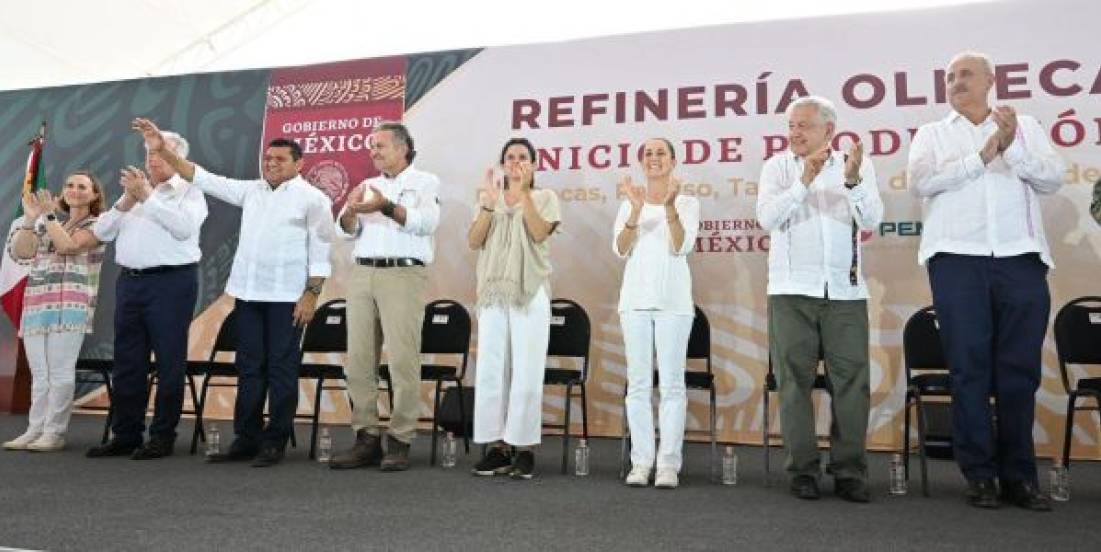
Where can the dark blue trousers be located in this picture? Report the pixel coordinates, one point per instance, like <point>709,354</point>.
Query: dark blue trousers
<point>268,359</point>
<point>152,315</point>
<point>993,315</point>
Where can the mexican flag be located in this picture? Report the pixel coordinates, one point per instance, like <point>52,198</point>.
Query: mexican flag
<point>13,273</point>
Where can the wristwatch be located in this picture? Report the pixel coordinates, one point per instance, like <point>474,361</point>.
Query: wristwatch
<point>50,217</point>
<point>388,209</point>
<point>851,185</point>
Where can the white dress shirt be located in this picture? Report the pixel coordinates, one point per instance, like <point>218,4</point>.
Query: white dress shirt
<point>379,236</point>
<point>976,209</point>
<point>163,230</point>
<point>656,277</point>
<point>811,227</point>
<point>285,235</point>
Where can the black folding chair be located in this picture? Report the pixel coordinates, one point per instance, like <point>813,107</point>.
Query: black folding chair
<point>1078,341</point>
<point>699,348</point>
<point>570,337</point>
<point>97,371</point>
<point>927,375</point>
<point>225,342</point>
<point>327,332</point>
<point>446,331</point>
<point>821,383</point>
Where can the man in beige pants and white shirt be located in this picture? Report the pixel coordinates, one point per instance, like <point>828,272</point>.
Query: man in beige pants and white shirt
<point>392,218</point>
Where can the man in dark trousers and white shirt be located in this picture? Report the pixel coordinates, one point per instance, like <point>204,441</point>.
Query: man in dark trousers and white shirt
<point>155,227</point>
<point>981,172</point>
<point>281,262</point>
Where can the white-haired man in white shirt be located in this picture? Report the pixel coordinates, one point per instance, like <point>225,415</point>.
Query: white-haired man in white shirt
<point>980,172</point>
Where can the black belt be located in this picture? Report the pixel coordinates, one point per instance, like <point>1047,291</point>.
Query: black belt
<point>155,269</point>
<point>389,262</point>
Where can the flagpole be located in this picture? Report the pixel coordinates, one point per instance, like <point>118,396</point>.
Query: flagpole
<point>19,399</point>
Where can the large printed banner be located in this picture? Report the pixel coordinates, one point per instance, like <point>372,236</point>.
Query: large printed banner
<point>331,110</point>
<point>719,94</point>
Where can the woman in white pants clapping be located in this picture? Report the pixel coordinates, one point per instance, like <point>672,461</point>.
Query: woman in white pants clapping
<point>510,232</point>
<point>655,230</point>
<point>59,301</point>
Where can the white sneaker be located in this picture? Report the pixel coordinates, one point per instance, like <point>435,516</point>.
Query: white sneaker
<point>639,477</point>
<point>48,442</point>
<point>21,442</point>
<point>666,479</point>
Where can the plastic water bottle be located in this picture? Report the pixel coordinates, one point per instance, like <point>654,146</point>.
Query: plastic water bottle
<point>1059,487</point>
<point>581,458</point>
<point>325,446</point>
<point>730,466</point>
<point>897,475</point>
<point>450,451</point>
<point>213,440</point>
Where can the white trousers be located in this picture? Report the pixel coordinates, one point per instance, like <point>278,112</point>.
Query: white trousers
<point>643,332</point>
<point>512,356</point>
<point>52,359</point>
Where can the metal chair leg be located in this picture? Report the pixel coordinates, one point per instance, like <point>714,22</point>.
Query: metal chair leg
<point>435,428</point>
<point>921,445</point>
<point>1068,428</point>
<point>110,406</point>
<point>462,417</point>
<point>906,435</point>
<point>566,430</point>
<point>765,441</point>
<point>714,443</point>
<point>315,420</point>
<point>200,407</point>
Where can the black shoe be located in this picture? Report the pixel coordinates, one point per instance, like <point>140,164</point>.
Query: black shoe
<point>269,456</point>
<point>114,447</point>
<point>982,493</point>
<point>805,487</point>
<point>523,465</point>
<point>367,451</point>
<point>238,452</point>
<point>497,461</point>
<point>1025,495</point>
<point>153,449</point>
<point>397,456</point>
<point>851,489</point>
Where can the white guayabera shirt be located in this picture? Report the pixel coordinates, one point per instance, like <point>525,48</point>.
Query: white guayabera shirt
<point>285,235</point>
<point>976,209</point>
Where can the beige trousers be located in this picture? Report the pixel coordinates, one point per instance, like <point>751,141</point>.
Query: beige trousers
<point>385,302</point>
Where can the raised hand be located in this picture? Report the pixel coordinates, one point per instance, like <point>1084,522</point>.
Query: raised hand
<point>1006,119</point>
<point>636,195</point>
<point>490,191</point>
<point>671,192</point>
<point>852,164</point>
<point>813,164</point>
<point>527,176</point>
<point>154,140</point>
<point>47,202</point>
<point>135,183</point>
<point>32,208</point>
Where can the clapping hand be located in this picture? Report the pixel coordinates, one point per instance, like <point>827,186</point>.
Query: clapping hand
<point>1006,119</point>
<point>636,195</point>
<point>359,203</point>
<point>135,184</point>
<point>852,163</point>
<point>490,191</point>
<point>813,164</point>
<point>671,192</point>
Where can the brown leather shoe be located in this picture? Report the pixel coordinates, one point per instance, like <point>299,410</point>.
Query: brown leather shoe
<point>366,452</point>
<point>397,455</point>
